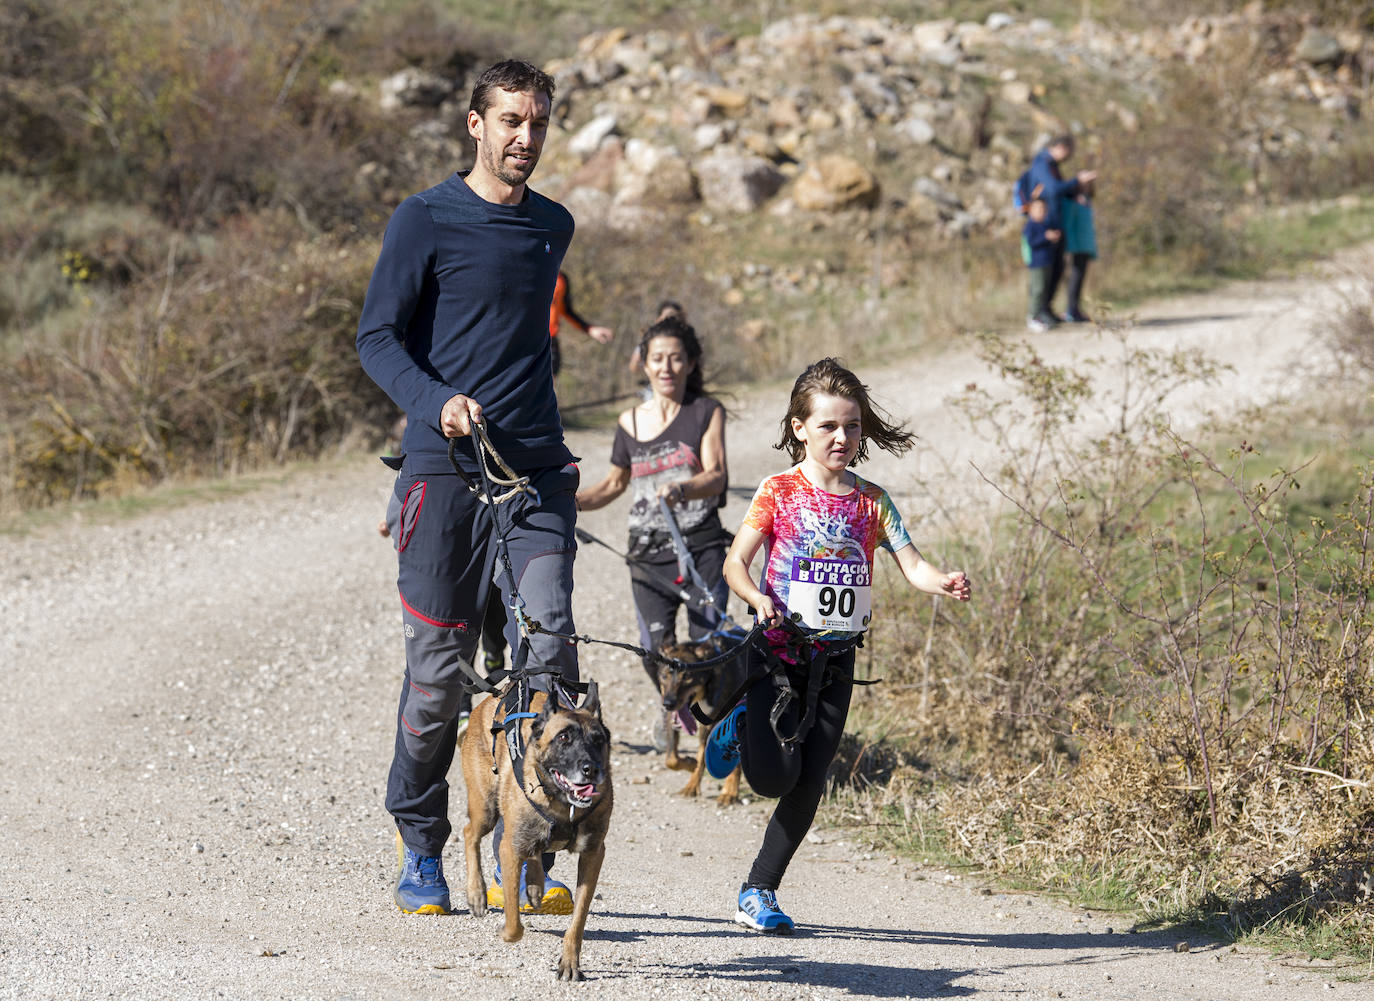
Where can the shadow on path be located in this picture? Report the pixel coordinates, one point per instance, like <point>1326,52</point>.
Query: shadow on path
<point>793,963</point>
<point>1183,321</point>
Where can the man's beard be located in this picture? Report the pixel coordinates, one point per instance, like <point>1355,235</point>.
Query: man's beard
<point>496,164</point>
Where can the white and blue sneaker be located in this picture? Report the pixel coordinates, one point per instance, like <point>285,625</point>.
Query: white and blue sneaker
<point>420,885</point>
<point>722,747</point>
<point>758,909</point>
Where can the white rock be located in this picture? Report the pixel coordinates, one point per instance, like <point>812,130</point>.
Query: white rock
<point>633,57</point>
<point>708,135</point>
<point>589,138</point>
<point>413,87</point>
<point>929,188</point>
<point>945,55</point>
<point>918,130</point>
<point>933,34</point>
<point>733,181</point>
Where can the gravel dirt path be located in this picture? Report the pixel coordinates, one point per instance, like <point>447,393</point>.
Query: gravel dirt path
<point>197,720</point>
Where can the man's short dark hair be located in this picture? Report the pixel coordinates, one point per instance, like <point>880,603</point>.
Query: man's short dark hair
<point>509,74</point>
<point>1063,139</point>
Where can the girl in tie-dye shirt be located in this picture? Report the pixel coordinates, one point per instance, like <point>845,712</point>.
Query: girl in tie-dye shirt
<point>819,525</point>
<point>818,550</point>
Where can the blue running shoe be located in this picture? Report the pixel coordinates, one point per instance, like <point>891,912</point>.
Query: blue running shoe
<point>758,909</point>
<point>420,885</point>
<point>557,897</point>
<point>722,747</point>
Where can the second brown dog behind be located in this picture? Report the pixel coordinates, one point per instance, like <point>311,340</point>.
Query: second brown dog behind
<point>562,801</point>
<point>706,687</point>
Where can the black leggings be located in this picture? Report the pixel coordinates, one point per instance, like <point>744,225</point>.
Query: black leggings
<point>657,599</point>
<point>796,777</point>
<point>1078,270</point>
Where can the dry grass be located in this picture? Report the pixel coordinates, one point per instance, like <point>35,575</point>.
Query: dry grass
<point>1165,693</point>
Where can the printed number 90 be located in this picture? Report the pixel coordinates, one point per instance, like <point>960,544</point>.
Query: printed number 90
<point>844,600</point>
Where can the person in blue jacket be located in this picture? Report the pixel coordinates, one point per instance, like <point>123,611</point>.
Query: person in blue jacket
<point>455,329</point>
<point>1046,175</point>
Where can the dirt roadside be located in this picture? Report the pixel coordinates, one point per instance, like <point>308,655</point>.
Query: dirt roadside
<point>198,716</point>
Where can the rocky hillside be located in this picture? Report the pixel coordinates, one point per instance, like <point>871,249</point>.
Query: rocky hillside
<point>195,196</point>
<point>817,116</point>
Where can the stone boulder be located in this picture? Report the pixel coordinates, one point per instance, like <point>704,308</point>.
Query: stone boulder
<point>733,181</point>
<point>726,99</point>
<point>915,129</point>
<point>835,182</point>
<point>601,170</point>
<point>931,190</point>
<point>588,139</point>
<point>414,88</point>
<point>931,35</point>
<point>709,135</point>
<point>654,175</point>
<point>1319,48</point>
<point>1017,92</point>
<point>597,209</point>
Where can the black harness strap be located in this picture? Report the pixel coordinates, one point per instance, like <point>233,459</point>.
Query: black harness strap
<point>819,674</point>
<point>662,582</point>
<point>650,655</point>
<point>818,658</point>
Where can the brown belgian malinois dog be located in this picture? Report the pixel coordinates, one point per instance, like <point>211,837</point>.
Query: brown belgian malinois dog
<point>559,799</point>
<point>680,688</point>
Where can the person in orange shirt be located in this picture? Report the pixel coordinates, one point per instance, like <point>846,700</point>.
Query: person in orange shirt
<point>562,309</point>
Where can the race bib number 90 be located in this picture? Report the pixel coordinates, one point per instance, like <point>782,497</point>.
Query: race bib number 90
<point>831,594</point>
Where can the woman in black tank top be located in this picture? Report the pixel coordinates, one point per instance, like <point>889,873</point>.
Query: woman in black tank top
<point>671,446</point>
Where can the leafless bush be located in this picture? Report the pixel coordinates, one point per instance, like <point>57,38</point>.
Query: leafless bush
<point>233,360</point>
<point>1173,668</point>
<point>1349,326</point>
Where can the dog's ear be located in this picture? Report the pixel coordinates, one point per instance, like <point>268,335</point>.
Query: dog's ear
<point>592,703</point>
<point>539,722</point>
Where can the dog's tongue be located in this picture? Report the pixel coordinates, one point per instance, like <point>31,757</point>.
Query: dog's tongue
<point>585,791</point>
<point>686,721</point>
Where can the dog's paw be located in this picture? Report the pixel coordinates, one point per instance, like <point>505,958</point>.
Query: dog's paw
<point>569,970</point>
<point>534,896</point>
<point>690,789</point>
<point>727,799</point>
<point>680,764</point>
<point>477,904</point>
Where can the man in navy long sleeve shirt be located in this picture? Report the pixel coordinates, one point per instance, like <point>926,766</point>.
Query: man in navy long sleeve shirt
<point>1045,175</point>
<point>455,329</point>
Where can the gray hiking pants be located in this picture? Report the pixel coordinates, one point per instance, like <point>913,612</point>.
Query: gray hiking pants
<point>447,555</point>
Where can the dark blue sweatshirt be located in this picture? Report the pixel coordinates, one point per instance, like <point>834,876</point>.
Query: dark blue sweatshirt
<point>459,303</point>
<point>1044,171</point>
<point>1041,246</point>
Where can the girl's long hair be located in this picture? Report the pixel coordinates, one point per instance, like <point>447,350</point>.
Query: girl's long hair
<point>676,326</point>
<point>828,377</point>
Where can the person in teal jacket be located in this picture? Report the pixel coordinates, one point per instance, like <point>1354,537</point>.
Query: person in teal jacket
<point>1080,244</point>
